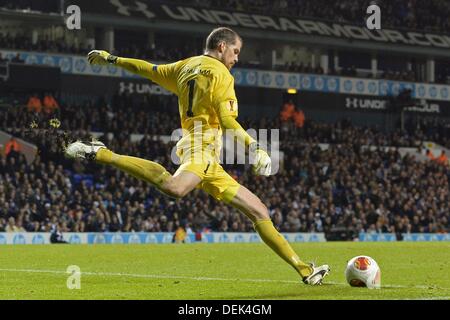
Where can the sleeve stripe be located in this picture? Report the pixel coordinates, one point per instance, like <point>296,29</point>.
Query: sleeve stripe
<point>155,67</point>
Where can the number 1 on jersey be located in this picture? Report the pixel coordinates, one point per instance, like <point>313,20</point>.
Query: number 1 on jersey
<point>191,84</point>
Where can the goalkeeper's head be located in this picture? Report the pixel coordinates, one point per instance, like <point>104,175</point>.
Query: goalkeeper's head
<point>225,45</point>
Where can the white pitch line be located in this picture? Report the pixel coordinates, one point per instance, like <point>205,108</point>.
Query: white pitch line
<point>153,276</point>
<point>159,276</point>
<point>394,286</point>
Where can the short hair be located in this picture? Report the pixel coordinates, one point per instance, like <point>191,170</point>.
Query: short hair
<point>221,34</point>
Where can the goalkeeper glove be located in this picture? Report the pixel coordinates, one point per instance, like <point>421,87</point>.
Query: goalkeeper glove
<point>263,163</point>
<point>101,57</point>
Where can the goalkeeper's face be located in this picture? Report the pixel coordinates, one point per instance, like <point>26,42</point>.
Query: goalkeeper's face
<point>231,53</point>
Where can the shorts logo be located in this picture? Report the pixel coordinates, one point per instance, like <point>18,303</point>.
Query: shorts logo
<point>207,167</point>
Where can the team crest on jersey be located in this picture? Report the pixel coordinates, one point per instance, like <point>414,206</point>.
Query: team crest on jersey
<point>233,106</point>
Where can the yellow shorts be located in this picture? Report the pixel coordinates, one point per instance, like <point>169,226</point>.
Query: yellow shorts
<point>215,180</point>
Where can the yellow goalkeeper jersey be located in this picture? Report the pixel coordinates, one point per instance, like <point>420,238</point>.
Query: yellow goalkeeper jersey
<point>205,90</point>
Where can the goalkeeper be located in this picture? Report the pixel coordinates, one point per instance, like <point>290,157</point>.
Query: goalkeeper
<point>207,106</point>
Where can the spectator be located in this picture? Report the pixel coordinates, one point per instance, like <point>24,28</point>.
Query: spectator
<point>17,59</point>
<point>11,226</point>
<point>50,104</point>
<point>34,104</point>
<point>179,235</point>
<point>12,147</point>
<point>299,118</point>
<point>288,111</point>
<point>430,155</point>
<point>442,159</point>
<point>56,235</point>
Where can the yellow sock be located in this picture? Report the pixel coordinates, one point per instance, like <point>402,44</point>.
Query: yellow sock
<point>278,243</point>
<point>139,168</point>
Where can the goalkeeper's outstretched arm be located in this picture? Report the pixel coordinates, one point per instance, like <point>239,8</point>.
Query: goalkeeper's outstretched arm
<point>161,74</point>
<point>136,66</point>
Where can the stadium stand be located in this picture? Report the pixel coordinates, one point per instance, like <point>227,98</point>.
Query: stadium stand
<point>345,187</point>
<point>342,189</point>
<point>411,14</point>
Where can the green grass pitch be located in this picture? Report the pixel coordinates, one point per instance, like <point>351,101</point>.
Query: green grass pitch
<point>218,271</point>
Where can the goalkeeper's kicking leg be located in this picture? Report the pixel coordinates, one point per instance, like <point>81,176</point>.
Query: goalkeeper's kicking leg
<point>255,210</point>
<point>149,171</point>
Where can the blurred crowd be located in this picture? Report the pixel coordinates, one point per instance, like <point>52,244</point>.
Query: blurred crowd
<point>24,42</point>
<point>152,115</point>
<point>335,190</point>
<point>388,74</point>
<point>341,190</point>
<point>160,52</point>
<point>31,5</point>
